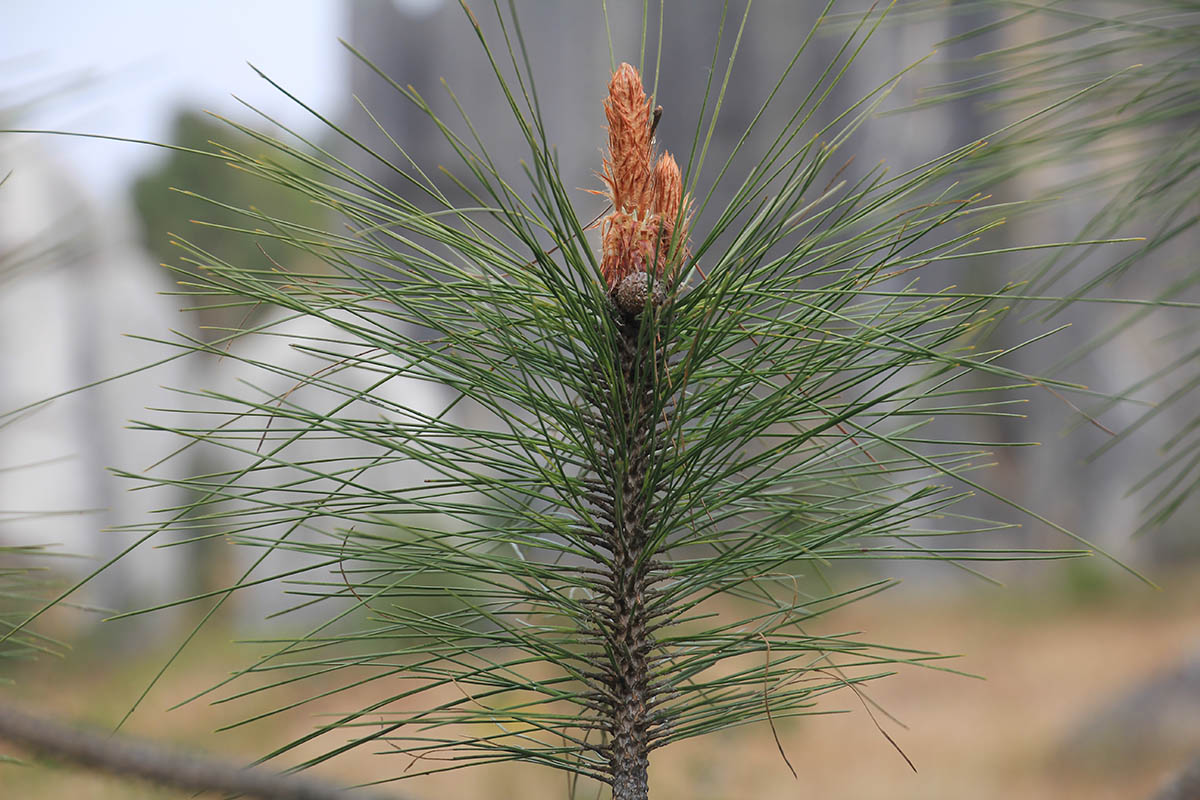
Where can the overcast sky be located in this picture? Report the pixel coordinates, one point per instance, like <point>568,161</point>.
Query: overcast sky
<point>149,57</point>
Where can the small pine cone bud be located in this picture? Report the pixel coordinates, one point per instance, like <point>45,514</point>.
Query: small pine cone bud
<point>631,293</point>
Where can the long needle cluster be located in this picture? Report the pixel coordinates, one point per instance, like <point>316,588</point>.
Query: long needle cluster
<point>566,527</point>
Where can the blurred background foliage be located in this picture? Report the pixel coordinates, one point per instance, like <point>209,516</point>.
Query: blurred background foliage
<point>188,196</point>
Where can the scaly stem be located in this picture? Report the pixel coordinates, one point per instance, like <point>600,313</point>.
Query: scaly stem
<point>623,626</point>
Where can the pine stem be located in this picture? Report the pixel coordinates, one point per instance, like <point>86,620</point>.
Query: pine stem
<point>623,625</point>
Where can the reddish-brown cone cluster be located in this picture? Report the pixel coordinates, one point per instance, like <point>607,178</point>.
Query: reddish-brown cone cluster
<point>646,194</point>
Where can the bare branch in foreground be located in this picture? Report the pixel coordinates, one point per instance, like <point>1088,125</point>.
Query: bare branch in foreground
<point>124,757</point>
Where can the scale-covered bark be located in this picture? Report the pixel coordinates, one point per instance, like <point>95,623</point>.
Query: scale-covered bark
<point>624,619</point>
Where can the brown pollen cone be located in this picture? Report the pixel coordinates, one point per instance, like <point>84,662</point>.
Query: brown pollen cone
<point>627,168</point>
<point>637,235</point>
<point>666,198</point>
